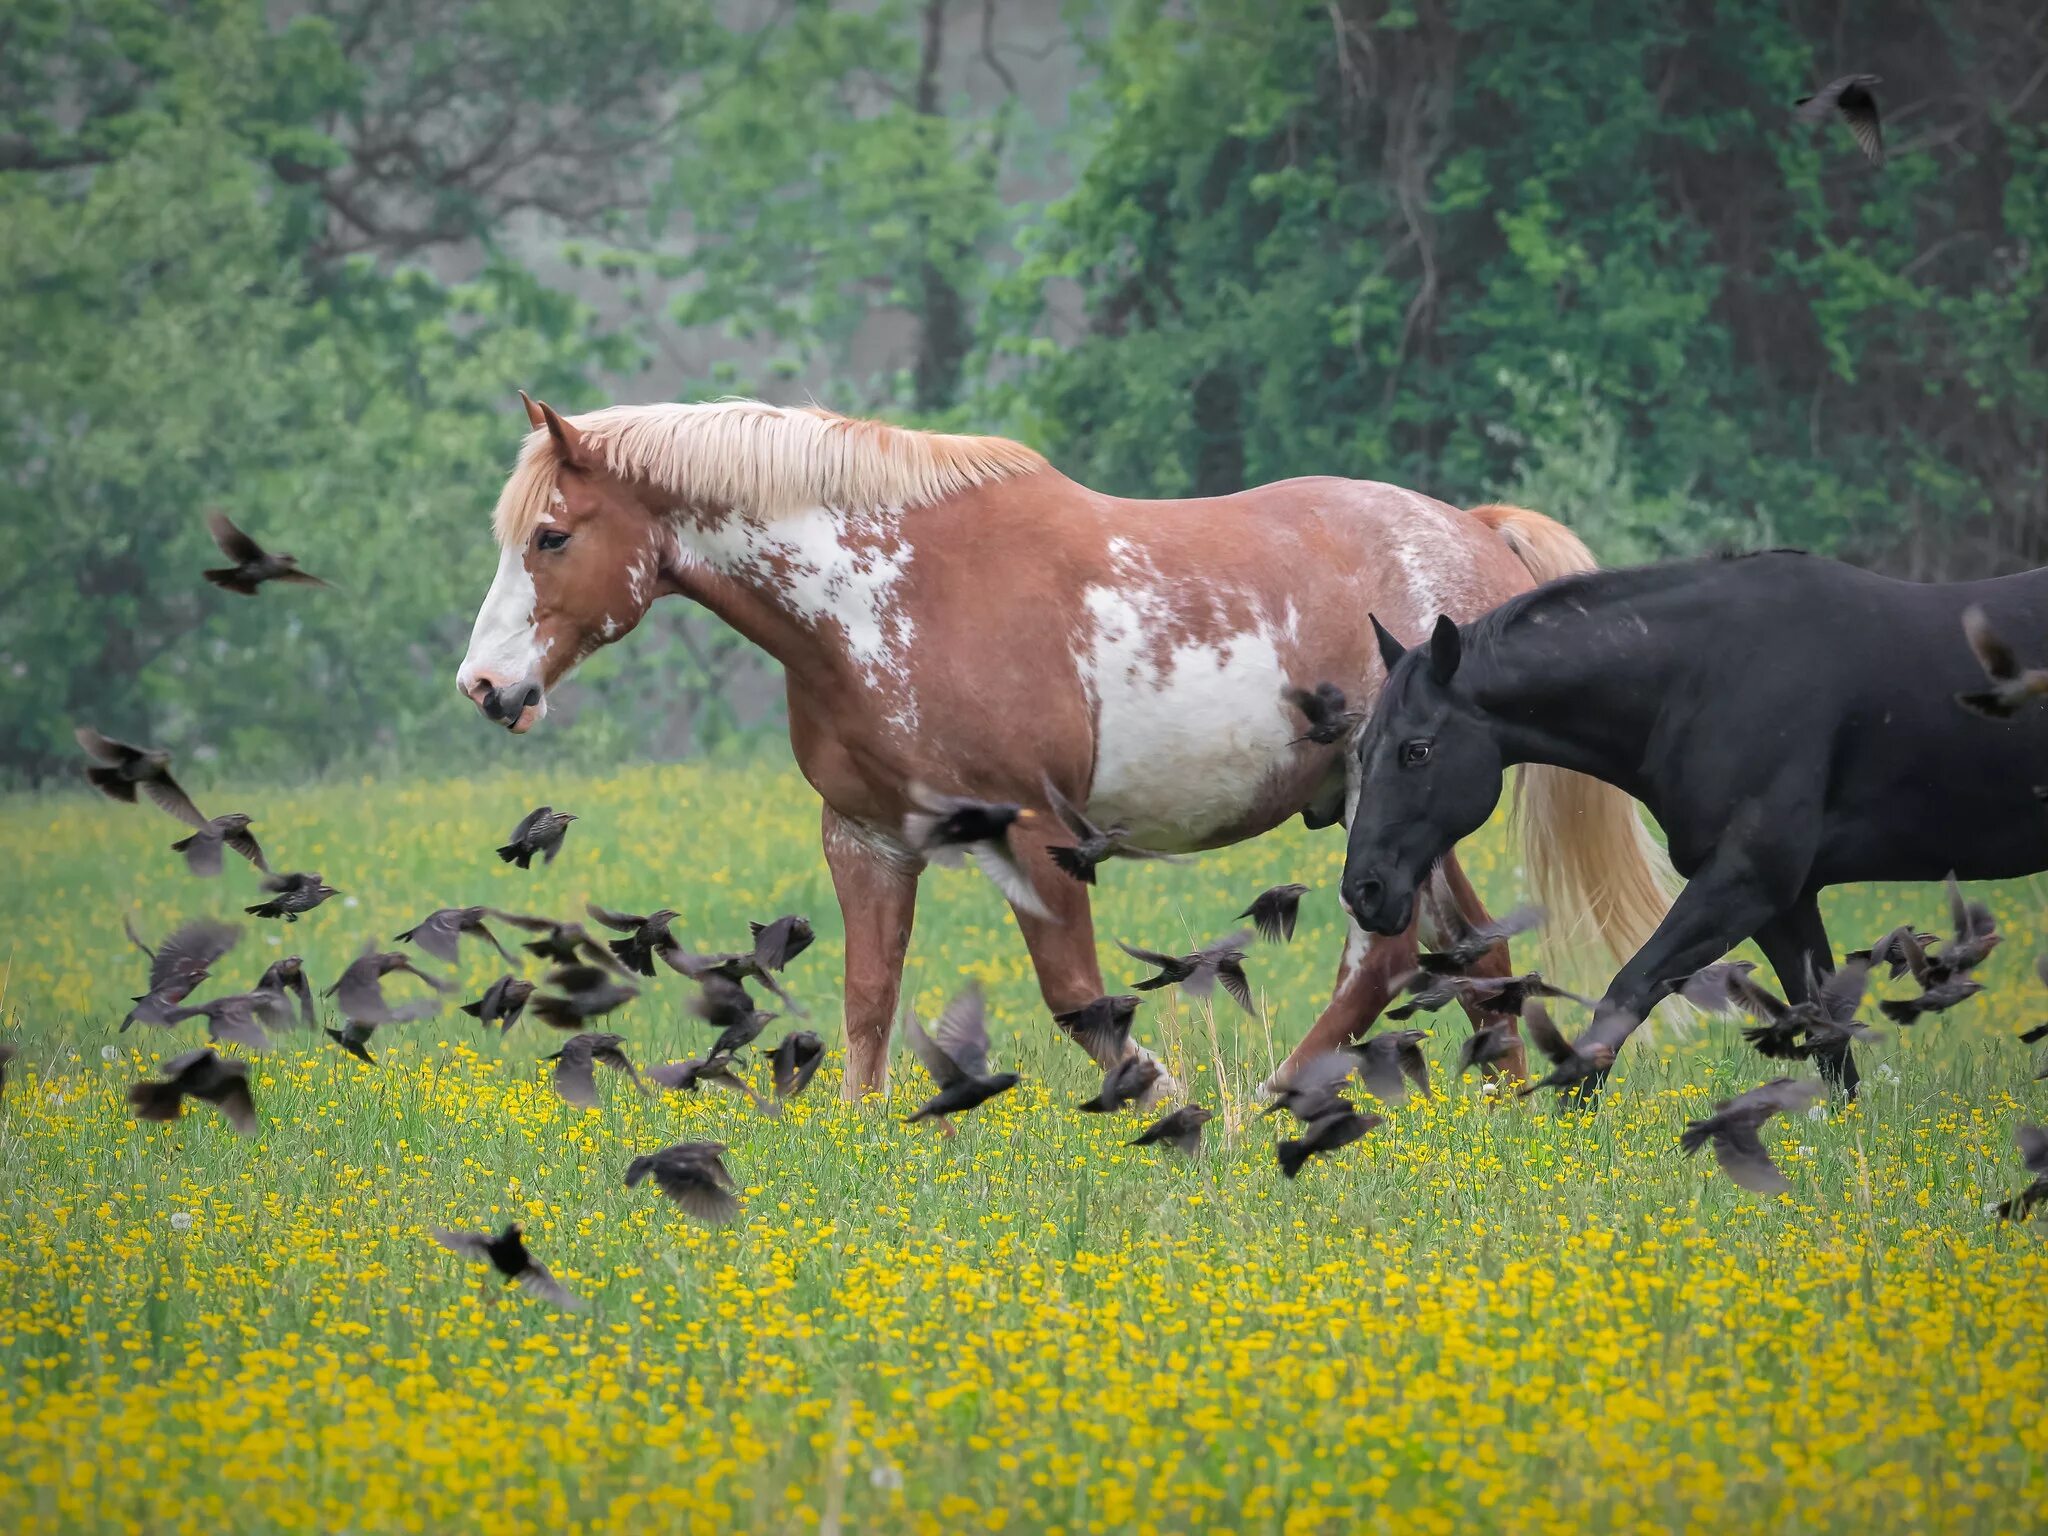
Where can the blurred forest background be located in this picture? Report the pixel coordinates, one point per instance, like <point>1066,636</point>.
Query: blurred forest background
<point>292,260</point>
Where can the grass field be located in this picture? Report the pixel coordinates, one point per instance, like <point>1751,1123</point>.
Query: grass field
<point>1481,1318</point>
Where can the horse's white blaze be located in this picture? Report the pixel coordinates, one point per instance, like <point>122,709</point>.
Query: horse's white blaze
<point>822,564</point>
<point>1183,745</point>
<point>504,645</point>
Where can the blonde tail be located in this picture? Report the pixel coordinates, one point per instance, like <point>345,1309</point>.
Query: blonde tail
<point>1591,860</point>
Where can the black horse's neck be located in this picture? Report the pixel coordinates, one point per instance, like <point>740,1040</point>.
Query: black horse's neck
<point>1571,682</point>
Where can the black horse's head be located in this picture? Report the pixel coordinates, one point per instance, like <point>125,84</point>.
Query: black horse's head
<point>1430,773</point>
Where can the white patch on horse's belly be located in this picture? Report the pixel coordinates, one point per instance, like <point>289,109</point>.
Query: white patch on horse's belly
<point>1182,749</point>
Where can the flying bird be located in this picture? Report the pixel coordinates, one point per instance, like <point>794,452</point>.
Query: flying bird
<point>1390,1062</point>
<point>726,1006</point>
<point>581,992</point>
<point>440,933</point>
<point>1101,1026</point>
<point>202,1074</point>
<point>1092,844</point>
<point>714,1067</point>
<point>359,991</point>
<point>355,1039</point>
<point>287,978</point>
<point>1125,1082</point>
<point>1575,1067</point>
<point>1273,912</point>
<point>507,1253</point>
<point>775,945</point>
<point>118,770</point>
<point>2033,1145</point>
<point>1851,97</point>
<point>502,1003</point>
<point>1486,1047</point>
<point>794,1062</point>
<point>2012,685</point>
<point>956,1055</point>
<point>948,829</point>
<point>694,1176</point>
<point>1313,1088</point>
<point>292,894</point>
<point>560,943</point>
<point>1510,994</point>
<point>1200,972</point>
<point>575,1078</point>
<point>253,565</point>
<point>202,849</point>
<point>1324,707</point>
<point>238,1019</point>
<point>1324,1135</point>
<point>645,937</point>
<point>1472,941</point>
<point>540,831</point>
<point>1180,1129</point>
<point>1733,1127</point>
<point>177,966</point>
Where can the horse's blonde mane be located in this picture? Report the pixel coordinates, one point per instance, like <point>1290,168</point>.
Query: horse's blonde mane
<point>761,459</point>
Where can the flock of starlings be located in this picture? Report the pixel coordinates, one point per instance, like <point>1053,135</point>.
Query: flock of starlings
<point>590,978</point>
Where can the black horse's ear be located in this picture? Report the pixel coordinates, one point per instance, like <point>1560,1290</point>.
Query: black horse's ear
<point>1445,647</point>
<point>1390,649</point>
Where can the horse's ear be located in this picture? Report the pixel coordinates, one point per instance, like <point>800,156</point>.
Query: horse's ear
<point>1445,647</point>
<point>534,419</point>
<point>568,441</point>
<point>1390,648</point>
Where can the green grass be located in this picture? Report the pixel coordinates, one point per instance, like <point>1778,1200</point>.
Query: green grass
<point>1482,1317</point>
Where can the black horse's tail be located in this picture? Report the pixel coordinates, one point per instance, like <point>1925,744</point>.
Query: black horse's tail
<point>1592,862</point>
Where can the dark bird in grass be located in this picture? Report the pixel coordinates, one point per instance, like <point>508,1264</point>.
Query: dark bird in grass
<point>1101,1026</point>
<point>1314,1088</point>
<point>1200,972</point>
<point>694,1176</point>
<point>1472,942</point>
<point>238,1019</point>
<point>1426,994</point>
<point>645,937</point>
<point>775,945</point>
<point>1328,713</point>
<point>540,831</point>
<point>1733,1127</point>
<point>560,943</point>
<point>1486,1047</point>
<point>502,1003</point>
<point>202,849</point>
<point>2012,685</point>
<point>440,933</point>
<point>118,770</point>
<point>581,992</point>
<point>287,978</point>
<point>359,991</point>
<point>1324,1135</point>
<point>253,564</point>
<point>1851,97</point>
<point>1975,936</point>
<point>1823,1025</point>
<point>1894,951</point>
<point>794,1062</point>
<point>1092,844</point>
<point>291,894</point>
<point>1574,1068</point>
<point>1389,1062</point>
<point>715,1069</point>
<point>726,1006</point>
<point>1939,998</point>
<point>177,966</point>
<point>956,1055</point>
<point>575,1077</point>
<point>2033,1145</point>
<point>949,829</point>
<point>7,1054</point>
<point>1125,1082</point>
<point>1180,1129</point>
<point>1273,912</point>
<point>507,1253</point>
<point>355,1039</point>
<point>202,1074</point>
<point>1510,994</point>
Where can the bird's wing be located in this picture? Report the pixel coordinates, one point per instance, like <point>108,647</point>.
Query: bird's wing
<point>235,1101</point>
<point>244,842</point>
<point>184,1061</point>
<point>1741,1154</point>
<point>234,543</point>
<point>1231,977</point>
<point>103,748</point>
<point>622,922</point>
<point>437,934</point>
<point>575,1080</point>
<point>522,921</point>
<point>164,791</point>
<point>528,822</point>
<point>1100,1028</point>
<point>1000,864</point>
<point>202,854</point>
<point>302,991</point>
<point>191,951</point>
<point>1549,1039</point>
<point>1069,814</point>
<point>1232,943</point>
<point>302,579</point>
<point>2032,1141</point>
<point>1520,920</point>
<point>1782,1096</point>
<point>477,926</point>
<point>1859,110</point>
<point>779,942</point>
<point>696,1191</point>
<point>943,1069</point>
<point>1958,910</point>
<point>1992,653</point>
<point>1415,1066</point>
<point>1320,1076</point>
<point>537,1280</point>
<point>1380,1070</point>
<point>475,1244</point>
<point>1147,956</point>
<point>1821,102</point>
<point>1841,994</point>
<point>962,1032</point>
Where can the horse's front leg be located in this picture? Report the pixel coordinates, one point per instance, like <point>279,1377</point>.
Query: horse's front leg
<point>1796,941</point>
<point>1449,886</point>
<point>877,888</point>
<point>1370,971</point>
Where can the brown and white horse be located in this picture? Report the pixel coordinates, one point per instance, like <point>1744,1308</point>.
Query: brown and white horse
<point>955,611</point>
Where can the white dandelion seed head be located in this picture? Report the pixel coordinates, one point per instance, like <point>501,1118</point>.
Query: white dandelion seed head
<point>1884,1072</point>
<point>1489,1089</point>
<point>1817,1112</point>
<point>181,1221</point>
<point>273,941</point>
<point>349,901</point>
<point>885,1475</point>
<point>1805,1151</point>
<point>109,1053</point>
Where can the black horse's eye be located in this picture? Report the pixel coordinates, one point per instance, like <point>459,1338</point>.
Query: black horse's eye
<point>551,538</point>
<point>1414,754</point>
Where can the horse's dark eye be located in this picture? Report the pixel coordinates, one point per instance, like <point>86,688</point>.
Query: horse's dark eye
<point>551,538</point>
<point>1414,754</point>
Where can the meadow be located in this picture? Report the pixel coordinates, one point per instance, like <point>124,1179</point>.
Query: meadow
<point>1483,1317</point>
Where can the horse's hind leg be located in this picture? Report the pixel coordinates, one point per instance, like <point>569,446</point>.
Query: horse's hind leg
<point>877,888</point>
<point>1448,885</point>
<point>1791,941</point>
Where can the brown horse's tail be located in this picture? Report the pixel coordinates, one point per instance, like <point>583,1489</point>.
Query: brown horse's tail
<point>1591,861</point>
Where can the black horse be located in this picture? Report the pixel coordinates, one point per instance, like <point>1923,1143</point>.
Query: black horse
<point>1790,721</point>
